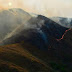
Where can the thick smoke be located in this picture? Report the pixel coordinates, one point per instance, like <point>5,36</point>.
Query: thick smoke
<point>66,22</point>
<point>10,20</point>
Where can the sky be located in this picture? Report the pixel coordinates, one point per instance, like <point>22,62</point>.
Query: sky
<point>47,8</point>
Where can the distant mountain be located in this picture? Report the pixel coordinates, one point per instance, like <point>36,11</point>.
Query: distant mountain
<point>10,19</point>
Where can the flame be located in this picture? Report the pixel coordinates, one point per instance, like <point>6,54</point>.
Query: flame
<point>63,35</point>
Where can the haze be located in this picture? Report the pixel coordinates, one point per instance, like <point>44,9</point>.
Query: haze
<point>48,8</point>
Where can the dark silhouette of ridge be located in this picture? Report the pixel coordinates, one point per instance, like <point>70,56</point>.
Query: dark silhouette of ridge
<point>40,31</point>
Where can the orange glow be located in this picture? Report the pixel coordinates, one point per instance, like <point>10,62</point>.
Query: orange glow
<point>63,35</point>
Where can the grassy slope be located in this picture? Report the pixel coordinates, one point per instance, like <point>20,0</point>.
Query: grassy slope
<point>17,59</point>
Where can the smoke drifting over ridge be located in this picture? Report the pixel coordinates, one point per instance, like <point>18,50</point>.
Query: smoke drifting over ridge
<point>10,20</point>
<point>13,20</point>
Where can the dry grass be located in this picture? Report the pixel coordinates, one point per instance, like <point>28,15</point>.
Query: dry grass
<point>16,56</point>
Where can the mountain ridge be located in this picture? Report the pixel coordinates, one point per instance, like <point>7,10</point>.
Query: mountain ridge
<point>35,44</point>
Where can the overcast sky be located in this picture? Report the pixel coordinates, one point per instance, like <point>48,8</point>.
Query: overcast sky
<point>45,7</point>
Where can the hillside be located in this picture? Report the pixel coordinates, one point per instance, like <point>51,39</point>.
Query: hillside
<point>24,57</point>
<point>14,58</point>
